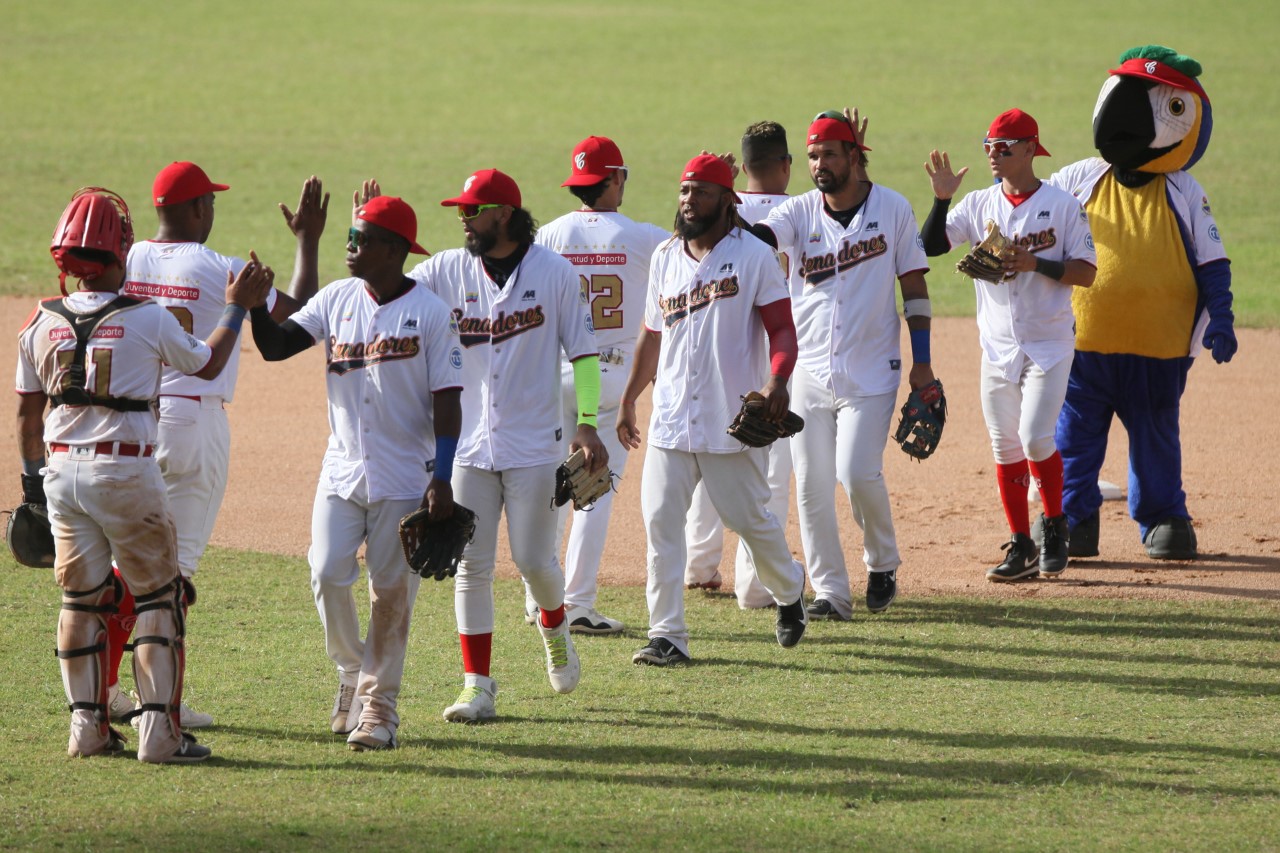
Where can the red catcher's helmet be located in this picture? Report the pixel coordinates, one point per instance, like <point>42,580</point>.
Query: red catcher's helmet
<point>97,219</point>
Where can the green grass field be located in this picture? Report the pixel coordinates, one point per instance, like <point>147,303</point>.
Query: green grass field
<point>946,724</point>
<point>419,95</point>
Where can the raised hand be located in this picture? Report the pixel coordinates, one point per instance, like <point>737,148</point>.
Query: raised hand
<point>945,182</point>
<point>858,125</point>
<point>313,210</point>
<point>249,289</point>
<point>368,190</point>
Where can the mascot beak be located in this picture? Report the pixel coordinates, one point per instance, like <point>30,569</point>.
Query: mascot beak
<point>1123,126</point>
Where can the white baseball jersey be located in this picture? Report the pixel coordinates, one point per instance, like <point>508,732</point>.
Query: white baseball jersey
<point>123,358</point>
<point>190,280</point>
<point>843,296</point>
<point>714,347</point>
<point>512,337</point>
<point>1028,314</point>
<point>611,255</point>
<point>755,207</point>
<point>383,364</point>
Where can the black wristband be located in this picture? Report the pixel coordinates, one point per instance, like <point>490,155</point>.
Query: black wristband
<point>1051,269</point>
<point>33,489</point>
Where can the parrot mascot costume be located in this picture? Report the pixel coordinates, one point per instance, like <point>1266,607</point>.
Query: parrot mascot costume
<point>1162,293</point>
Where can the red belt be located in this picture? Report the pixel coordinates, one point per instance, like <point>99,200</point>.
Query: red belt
<point>109,448</point>
<point>182,397</point>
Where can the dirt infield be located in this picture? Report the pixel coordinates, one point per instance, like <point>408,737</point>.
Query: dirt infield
<point>947,513</point>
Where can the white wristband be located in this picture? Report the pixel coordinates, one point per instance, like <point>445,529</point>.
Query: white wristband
<point>917,308</point>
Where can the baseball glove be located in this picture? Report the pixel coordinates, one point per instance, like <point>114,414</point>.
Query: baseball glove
<point>986,260</point>
<point>923,416</point>
<point>752,429</point>
<point>574,482</point>
<point>28,532</point>
<point>434,548</point>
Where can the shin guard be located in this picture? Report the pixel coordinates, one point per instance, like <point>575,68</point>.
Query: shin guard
<point>158,665</point>
<point>82,654</point>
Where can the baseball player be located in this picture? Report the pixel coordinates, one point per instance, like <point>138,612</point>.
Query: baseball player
<point>1025,324</point>
<point>611,256</point>
<point>95,358</point>
<point>394,379</point>
<point>517,304</point>
<point>714,293</point>
<point>848,240</point>
<point>179,272</point>
<point>766,161</point>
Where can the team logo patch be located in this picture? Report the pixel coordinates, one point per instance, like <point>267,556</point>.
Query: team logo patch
<point>919,241</point>
<point>1088,241</point>
<point>1044,214</point>
<point>455,355</point>
<point>895,364</point>
<point>472,297</point>
<point>726,267</point>
<point>1204,206</point>
<point>559,433</point>
<point>1150,67</point>
<point>466,185</point>
<point>529,296</point>
<point>411,323</point>
<point>815,237</point>
<point>591,327</point>
<point>580,160</point>
<point>346,318</point>
<point>1213,234</point>
<point>1084,217</point>
<point>453,324</point>
<point>871,226</point>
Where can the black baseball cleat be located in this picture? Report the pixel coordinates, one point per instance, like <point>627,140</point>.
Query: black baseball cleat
<point>882,589</point>
<point>1171,539</point>
<point>1019,562</point>
<point>1084,538</point>
<point>660,652</point>
<point>1053,546</point>
<point>823,609</point>
<point>792,620</point>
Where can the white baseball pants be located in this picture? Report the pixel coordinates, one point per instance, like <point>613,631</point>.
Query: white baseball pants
<point>525,493</point>
<point>852,433</point>
<point>194,451</point>
<point>739,492</point>
<point>589,530</point>
<point>375,664</point>
<point>704,533</point>
<point>1022,414</point>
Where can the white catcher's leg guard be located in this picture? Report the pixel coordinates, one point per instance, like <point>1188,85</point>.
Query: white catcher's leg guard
<point>159,661</point>
<point>82,654</point>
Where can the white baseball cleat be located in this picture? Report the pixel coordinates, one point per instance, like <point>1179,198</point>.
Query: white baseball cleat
<point>475,702</point>
<point>372,735</point>
<point>119,703</point>
<point>345,715</point>
<point>563,668</point>
<point>586,620</point>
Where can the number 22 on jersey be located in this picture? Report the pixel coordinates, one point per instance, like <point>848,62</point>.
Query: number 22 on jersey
<point>605,294</point>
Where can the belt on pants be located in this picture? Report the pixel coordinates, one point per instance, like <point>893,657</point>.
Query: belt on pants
<point>104,448</point>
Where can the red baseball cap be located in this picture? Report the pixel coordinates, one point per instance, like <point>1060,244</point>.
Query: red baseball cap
<point>710,169</point>
<point>182,181</point>
<point>395,215</point>
<point>487,186</point>
<point>594,159</point>
<point>826,129</point>
<point>1015,124</point>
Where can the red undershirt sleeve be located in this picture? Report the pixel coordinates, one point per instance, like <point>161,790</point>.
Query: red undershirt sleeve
<point>781,329</point>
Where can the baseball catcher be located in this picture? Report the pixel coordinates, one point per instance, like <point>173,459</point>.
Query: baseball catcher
<point>986,260</point>
<point>752,428</point>
<point>575,482</point>
<point>28,532</point>
<point>923,416</point>
<point>434,548</point>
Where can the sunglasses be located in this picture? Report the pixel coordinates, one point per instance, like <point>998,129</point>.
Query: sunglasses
<point>471,211</point>
<point>358,238</point>
<point>1001,146</point>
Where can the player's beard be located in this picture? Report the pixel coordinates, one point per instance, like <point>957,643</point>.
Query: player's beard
<point>829,182</point>
<point>480,243</point>
<point>692,229</point>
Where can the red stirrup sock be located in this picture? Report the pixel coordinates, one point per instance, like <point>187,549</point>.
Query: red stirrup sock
<point>1048,474</point>
<point>119,627</point>
<point>477,649</point>
<point>552,618</point>
<point>1014,481</point>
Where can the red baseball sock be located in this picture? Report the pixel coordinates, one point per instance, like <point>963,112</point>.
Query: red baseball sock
<point>552,618</point>
<point>1048,474</point>
<point>1013,480</point>
<point>477,650</point>
<point>119,627</point>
